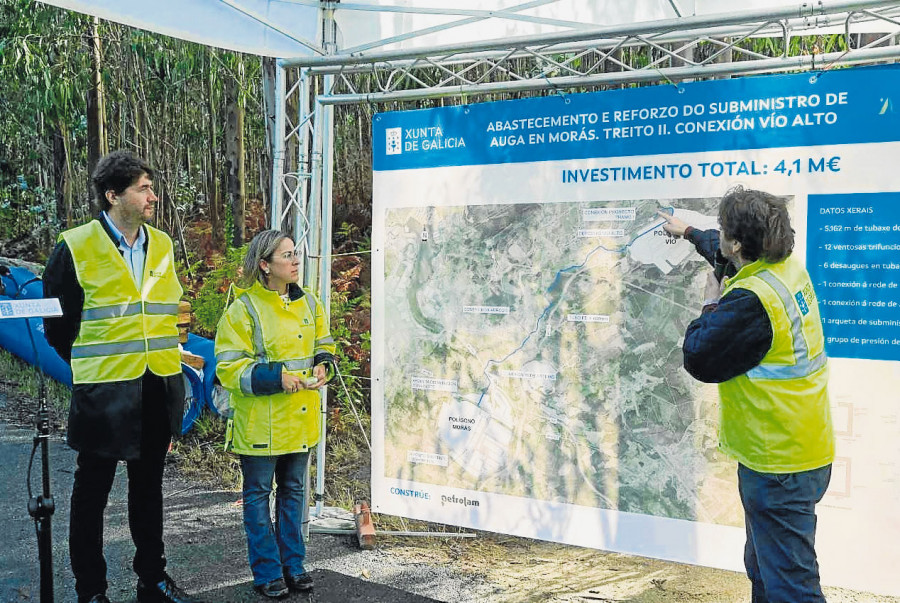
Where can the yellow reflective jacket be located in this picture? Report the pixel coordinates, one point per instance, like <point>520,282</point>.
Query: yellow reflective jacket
<point>776,417</point>
<point>124,331</point>
<point>257,329</point>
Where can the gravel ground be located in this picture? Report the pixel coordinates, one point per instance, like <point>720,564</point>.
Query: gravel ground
<point>205,544</point>
<point>207,553</point>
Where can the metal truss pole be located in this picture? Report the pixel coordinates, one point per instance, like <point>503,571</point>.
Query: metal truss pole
<point>327,120</point>
<point>325,124</point>
<point>278,144</point>
<point>311,268</point>
<point>311,258</point>
<point>320,224</point>
<point>810,14</point>
<point>301,218</point>
<point>672,74</point>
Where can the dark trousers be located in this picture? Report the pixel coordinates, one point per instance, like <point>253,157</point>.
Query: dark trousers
<point>93,481</point>
<point>779,512</point>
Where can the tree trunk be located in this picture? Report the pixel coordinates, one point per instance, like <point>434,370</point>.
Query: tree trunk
<point>726,57</point>
<point>67,183</point>
<point>688,56</point>
<point>60,174</point>
<point>214,199</point>
<point>96,115</point>
<point>269,100</point>
<point>234,152</point>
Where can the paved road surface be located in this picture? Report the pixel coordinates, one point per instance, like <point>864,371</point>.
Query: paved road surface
<point>205,544</point>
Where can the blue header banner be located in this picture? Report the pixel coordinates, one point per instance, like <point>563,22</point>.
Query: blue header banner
<point>837,107</point>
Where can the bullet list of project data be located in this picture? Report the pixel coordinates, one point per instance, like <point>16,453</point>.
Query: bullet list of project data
<point>853,257</point>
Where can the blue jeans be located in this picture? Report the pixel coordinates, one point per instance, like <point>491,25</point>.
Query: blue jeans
<point>779,512</point>
<point>274,551</point>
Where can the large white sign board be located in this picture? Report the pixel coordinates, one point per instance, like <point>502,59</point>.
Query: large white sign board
<point>528,311</point>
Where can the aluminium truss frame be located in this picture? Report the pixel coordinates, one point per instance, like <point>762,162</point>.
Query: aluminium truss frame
<point>669,51</point>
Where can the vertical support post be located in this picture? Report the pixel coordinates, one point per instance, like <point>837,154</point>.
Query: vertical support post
<point>278,143</point>
<point>326,119</point>
<point>320,228</point>
<point>310,274</point>
<point>311,265</point>
<point>301,217</point>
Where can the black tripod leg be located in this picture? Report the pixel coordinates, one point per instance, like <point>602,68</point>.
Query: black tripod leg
<point>42,507</point>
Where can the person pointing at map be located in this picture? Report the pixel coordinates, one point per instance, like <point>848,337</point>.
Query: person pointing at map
<point>760,337</point>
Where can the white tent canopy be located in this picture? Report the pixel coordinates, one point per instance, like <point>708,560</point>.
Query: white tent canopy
<point>262,27</point>
<point>292,28</point>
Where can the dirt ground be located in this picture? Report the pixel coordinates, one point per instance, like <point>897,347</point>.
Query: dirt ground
<point>205,546</point>
<point>526,571</point>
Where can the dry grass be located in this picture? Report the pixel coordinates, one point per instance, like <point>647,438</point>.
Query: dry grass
<point>201,455</point>
<point>347,460</point>
<point>20,387</point>
<point>25,380</point>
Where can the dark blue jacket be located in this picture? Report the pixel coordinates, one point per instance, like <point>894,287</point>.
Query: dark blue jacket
<point>731,337</point>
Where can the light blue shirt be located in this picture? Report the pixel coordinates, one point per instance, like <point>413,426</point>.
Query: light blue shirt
<point>134,255</point>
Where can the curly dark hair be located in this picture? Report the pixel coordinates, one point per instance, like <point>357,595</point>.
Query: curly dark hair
<point>759,221</point>
<point>116,172</point>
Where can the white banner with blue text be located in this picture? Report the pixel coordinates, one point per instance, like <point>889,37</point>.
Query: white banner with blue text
<point>528,311</point>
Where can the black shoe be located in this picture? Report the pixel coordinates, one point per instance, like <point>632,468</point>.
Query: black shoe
<point>276,589</point>
<point>165,591</point>
<point>101,598</point>
<point>301,582</point>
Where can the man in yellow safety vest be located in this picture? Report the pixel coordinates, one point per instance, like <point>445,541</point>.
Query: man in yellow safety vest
<point>116,282</point>
<point>760,338</point>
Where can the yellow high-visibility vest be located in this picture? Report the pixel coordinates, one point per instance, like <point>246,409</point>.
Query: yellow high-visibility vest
<point>776,417</point>
<point>259,327</point>
<point>124,331</point>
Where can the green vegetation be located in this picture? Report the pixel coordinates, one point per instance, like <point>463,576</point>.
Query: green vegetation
<point>208,302</point>
<point>23,379</point>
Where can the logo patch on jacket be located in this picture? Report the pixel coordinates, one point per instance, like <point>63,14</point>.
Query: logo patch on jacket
<point>805,298</point>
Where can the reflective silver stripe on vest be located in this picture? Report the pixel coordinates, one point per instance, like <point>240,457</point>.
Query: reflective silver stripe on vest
<point>116,311</point>
<point>259,349</point>
<point>247,379</point>
<point>126,309</point>
<point>108,349</point>
<point>324,341</point>
<point>162,343</point>
<point>297,365</point>
<point>160,308</point>
<point>804,364</point>
<point>258,343</point>
<point>124,347</point>
<point>231,356</point>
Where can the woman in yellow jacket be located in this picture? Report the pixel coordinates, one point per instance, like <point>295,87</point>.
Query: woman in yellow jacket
<point>273,351</point>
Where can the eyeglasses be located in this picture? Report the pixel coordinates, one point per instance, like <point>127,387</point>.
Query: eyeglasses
<point>289,255</point>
